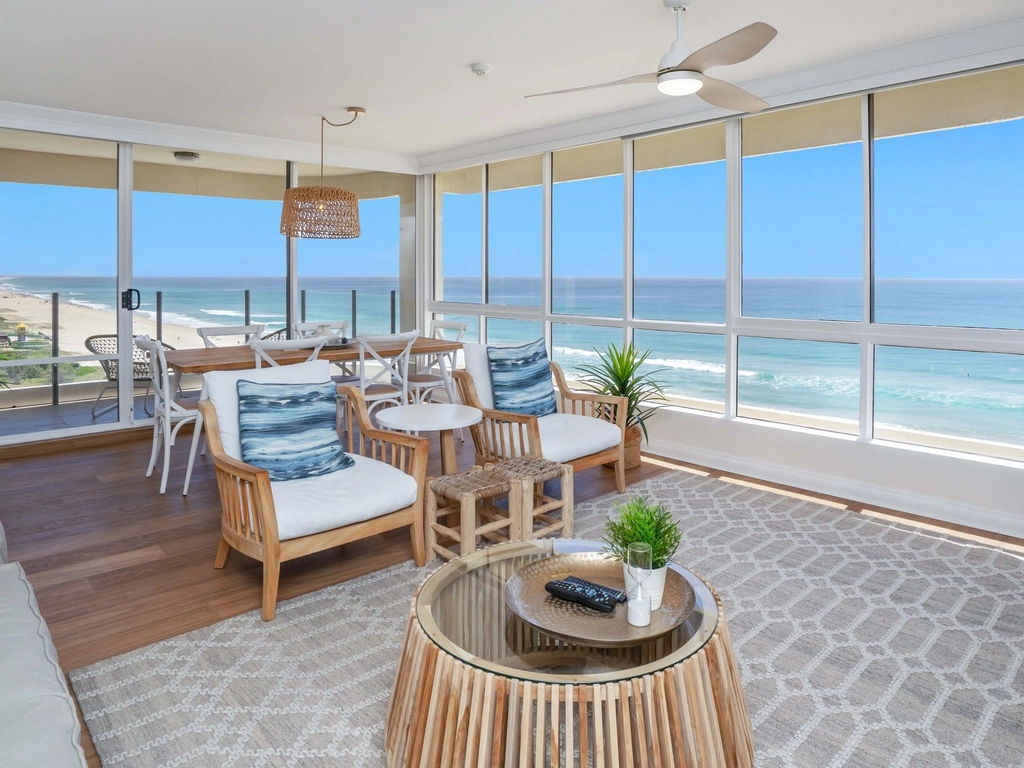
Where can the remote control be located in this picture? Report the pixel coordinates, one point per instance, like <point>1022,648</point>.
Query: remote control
<point>585,596</point>
<point>614,594</point>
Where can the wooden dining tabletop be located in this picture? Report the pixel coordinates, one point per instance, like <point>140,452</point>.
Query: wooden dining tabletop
<point>242,357</point>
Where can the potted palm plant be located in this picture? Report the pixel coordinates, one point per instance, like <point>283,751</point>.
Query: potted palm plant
<point>618,373</point>
<point>640,520</point>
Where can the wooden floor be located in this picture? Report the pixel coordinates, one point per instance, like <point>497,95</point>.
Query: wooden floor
<point>116,566</point>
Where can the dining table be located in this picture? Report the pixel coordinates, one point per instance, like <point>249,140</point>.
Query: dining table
<point>241,357</point>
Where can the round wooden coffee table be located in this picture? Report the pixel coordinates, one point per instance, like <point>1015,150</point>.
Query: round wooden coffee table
<point>477,686</point>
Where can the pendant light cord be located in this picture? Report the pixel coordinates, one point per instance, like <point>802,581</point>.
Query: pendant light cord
<point>356,112</point>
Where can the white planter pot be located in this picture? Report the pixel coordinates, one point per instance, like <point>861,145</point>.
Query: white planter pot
<point>654,585</point>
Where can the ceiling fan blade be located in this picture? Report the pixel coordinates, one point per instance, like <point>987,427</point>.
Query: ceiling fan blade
<point>648,78</point>
<point>719,93</point>
<point>731,49</point>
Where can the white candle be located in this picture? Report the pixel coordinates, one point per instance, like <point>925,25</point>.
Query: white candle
<point>638,611</point>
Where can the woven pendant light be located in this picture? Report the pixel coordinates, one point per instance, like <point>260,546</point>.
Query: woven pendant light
<point>324,212</point>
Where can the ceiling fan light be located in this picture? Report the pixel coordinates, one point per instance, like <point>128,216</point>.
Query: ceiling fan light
<point>681,83</point>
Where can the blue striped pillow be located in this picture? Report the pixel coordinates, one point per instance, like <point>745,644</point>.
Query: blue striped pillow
<point>521,379</point>
<point>288,429</point>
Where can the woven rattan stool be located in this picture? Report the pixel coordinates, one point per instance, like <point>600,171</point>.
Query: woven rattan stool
<point>527,475</point>
<point>473,494</point>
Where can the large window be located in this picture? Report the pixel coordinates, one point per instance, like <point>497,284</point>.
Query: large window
<point>803,242</point>
<point>690,366</point>
<point>365,270</point>
<point>58,289</point>
<point>458,236</point>
<point>207,248</point>
<point>843,248</point>
<point>587,231</point>
<point>807,383</point>
<point>515,232</point>
<point>679,225</point>
<point>472,326</point>
<point>968,401</point>
<point>949,190</point>
<point>573,346</point>
<point>505,331</point>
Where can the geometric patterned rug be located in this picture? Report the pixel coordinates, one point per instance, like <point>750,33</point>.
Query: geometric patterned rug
<point>861,642</point>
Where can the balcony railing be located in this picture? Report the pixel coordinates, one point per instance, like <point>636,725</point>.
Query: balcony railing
<point>29,349</point>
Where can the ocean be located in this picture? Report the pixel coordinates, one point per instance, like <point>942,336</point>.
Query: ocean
<point>966,394</point>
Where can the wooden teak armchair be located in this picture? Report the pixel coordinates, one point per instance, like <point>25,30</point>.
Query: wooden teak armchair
<point>572,436</point>
<point>355,501</point>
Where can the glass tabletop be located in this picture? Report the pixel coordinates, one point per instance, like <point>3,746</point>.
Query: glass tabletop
<point>461,608</point>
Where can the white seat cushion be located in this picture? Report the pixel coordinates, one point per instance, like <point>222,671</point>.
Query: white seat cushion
<point>364,491</point>
<point>221,388</point>
<point>38,723</point>
<point>566,436</point>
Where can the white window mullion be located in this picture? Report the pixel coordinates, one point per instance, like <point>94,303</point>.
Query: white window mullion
<point>733,258</point>
<point>484,287</point>
<point>291,256</point>
<point>126,343</point>
<point>546,264</point>
<point>867,391</point>
<point>424,249</point>
<point>867,348</point>
<point>627,244</point>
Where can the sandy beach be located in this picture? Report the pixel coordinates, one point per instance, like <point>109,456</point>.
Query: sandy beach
<point>77,323</point>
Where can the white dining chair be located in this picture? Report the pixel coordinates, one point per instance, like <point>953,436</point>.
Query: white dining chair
<point>335,332</point>
<point>435,369</point>
<point>328,328</point>
<point>213,335</point>
<point>389,383</point>
<point>170,414</point>
<point>263,347</point>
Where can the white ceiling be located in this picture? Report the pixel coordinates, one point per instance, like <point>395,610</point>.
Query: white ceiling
<point>270,69</point>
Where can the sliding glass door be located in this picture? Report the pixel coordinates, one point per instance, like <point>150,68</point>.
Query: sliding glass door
<point>58,284</point>
<point>206,245</point>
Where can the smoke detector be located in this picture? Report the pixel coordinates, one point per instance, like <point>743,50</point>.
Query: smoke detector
<point>186,157</point>
<point>479,69</point>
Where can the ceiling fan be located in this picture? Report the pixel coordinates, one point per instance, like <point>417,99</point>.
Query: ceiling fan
<point>681,72</point>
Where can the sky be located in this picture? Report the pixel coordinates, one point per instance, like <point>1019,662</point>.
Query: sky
<point>947,205</point>
<point>179,235</point>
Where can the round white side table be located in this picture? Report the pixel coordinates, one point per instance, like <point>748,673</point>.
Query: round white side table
<point>444,418</point>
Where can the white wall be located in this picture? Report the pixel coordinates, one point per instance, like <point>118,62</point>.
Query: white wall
<point>974,491</point>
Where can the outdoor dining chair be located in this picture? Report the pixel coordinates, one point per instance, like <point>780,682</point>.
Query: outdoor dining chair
<point>106,344</point>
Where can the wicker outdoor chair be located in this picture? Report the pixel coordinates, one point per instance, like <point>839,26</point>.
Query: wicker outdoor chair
<point>280,335</point>
<point>106,344</point>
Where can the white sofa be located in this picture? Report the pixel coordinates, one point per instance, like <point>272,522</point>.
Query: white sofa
<point>38,723</point>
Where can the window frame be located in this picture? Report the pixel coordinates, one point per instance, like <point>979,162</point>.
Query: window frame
<point>864,332</point>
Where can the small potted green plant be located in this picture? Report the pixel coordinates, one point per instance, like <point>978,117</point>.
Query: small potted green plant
<point>641,520</point>
<point>618,373</point>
